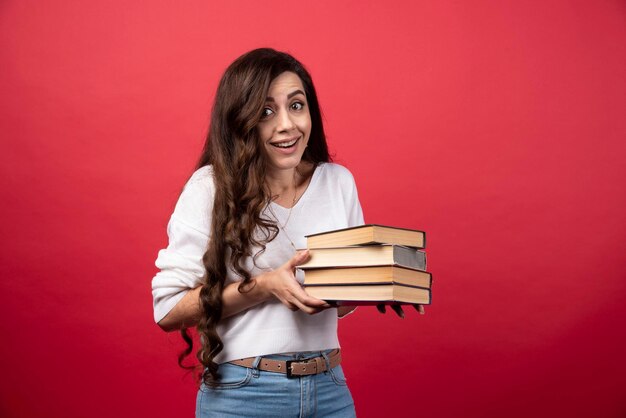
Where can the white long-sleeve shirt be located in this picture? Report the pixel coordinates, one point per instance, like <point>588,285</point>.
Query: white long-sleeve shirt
<point>330,202</point>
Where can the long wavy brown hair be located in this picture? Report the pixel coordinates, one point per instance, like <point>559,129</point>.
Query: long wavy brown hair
<point>234,151</point>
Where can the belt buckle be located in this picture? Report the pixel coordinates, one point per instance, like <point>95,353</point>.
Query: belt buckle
<point>288,367</point>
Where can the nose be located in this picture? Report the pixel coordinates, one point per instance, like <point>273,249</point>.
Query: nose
<point>284,121</point>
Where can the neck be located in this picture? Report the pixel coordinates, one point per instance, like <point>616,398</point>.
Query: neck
<point>282,181</point>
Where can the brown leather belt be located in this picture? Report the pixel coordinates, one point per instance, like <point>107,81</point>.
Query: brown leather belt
<point>304,367</point>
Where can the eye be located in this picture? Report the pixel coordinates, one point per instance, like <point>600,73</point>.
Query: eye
<point>266,113</point>
<point>297,105</point>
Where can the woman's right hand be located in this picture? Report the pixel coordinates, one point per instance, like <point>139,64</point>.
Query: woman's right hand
<point>397,308</point>
<point>283,285</point>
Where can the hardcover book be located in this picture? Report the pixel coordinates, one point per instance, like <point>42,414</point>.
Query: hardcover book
<point>367,234</point>
<point>371,294</point>
<point>370,255</point>
<point>367,275</point>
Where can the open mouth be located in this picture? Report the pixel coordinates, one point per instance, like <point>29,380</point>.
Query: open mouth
<point>285,144</point>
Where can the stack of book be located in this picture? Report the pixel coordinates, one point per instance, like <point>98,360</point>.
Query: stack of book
<point>368,264</point>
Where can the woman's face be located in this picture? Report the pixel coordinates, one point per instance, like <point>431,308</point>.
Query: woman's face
<point>285,125</point>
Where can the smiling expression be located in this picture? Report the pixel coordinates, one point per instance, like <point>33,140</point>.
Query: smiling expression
<point>285,124</point>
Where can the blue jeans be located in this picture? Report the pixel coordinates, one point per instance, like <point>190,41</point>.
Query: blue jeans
<point>245,392</point>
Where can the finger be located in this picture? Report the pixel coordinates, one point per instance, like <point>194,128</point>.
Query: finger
<point>297,296</point>
<point>309,300</point>
<point>381,308</point>
<point>288,304</point>
<point>300,257</point>
<point>306,308</point>
<point>316,311</point>
<point>398,310</point>
<point>419,308</point>
<point>302,295</point>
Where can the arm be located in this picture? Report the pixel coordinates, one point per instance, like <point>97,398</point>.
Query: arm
<point>280,284</point>
<point>184,314</point>
<point>187,312</point>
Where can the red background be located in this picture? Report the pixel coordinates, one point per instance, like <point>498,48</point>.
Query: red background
<point>497,127</point>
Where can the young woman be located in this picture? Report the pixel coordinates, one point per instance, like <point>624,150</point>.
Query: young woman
<point>263,182</point>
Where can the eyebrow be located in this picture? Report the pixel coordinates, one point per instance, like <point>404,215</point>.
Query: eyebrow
<point>289,96</point>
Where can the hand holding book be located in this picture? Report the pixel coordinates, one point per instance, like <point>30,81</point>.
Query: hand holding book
<point>369,265</point>
<point>398,309</point>
<point>282,284</point>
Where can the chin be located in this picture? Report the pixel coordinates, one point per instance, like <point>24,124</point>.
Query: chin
<point>283,162</point>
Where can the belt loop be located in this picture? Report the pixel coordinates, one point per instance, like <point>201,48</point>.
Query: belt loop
<point>327,360</point>
<point>255,366</point>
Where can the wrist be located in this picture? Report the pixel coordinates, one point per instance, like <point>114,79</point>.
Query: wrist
<point>261,288</point>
